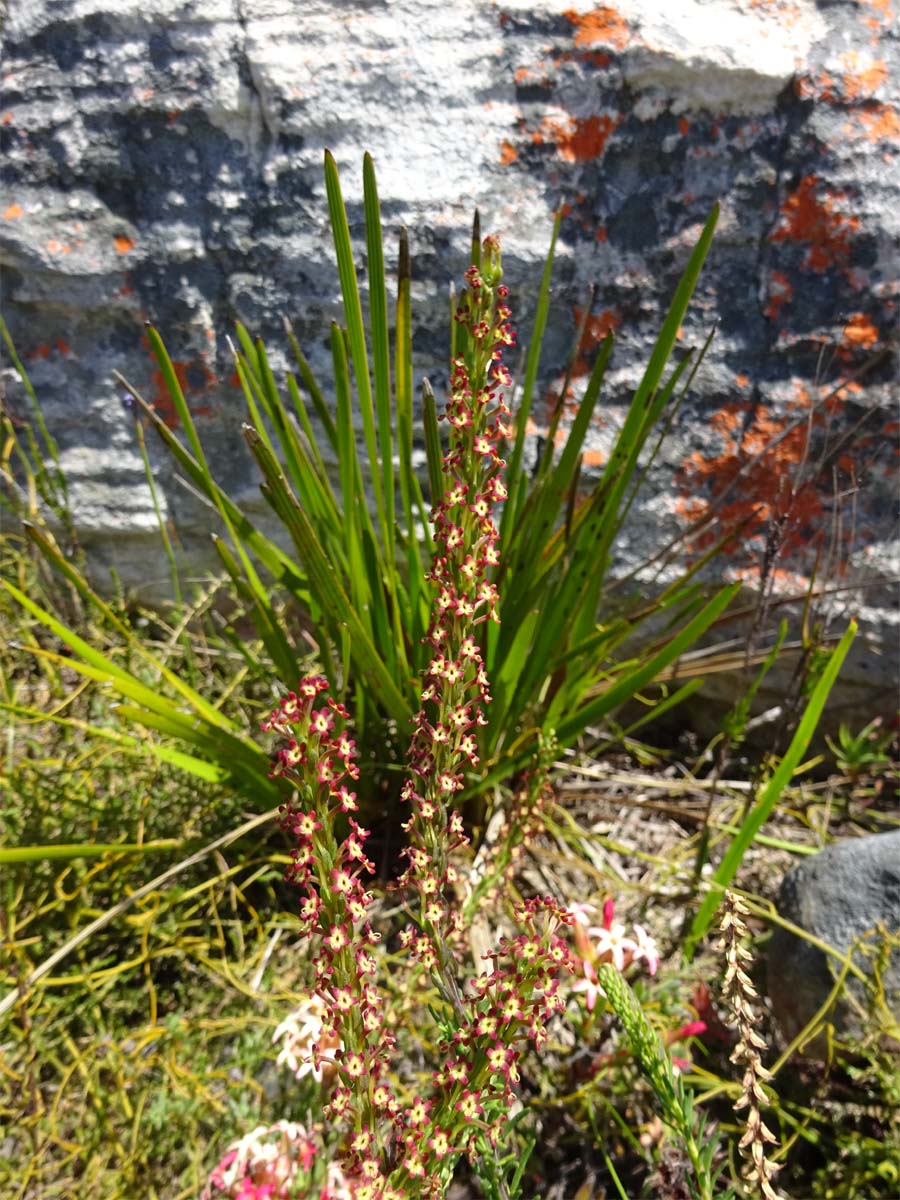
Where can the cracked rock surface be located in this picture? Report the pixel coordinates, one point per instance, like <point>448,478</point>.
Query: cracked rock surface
<point>164,162</point>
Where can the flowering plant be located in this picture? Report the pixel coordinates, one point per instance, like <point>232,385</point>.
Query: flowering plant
<point>608,943</point>
<point>271,1163</point>
<point>364,575</point>
<point>397,1145</point>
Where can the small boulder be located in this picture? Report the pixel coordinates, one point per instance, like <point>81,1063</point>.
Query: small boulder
<point>846,893</point>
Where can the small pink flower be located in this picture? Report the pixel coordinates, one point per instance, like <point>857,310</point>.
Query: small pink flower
<point>590,986</point>
<point>646,948</point>
<point>581,911</point>
<point>691,1029</point>
<point>612,942</point>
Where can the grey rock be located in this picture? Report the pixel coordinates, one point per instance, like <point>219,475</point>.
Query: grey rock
<point>163,162</point>
<point>838,896</point>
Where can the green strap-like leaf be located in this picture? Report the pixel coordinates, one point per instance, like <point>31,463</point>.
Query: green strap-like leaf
<point>11,855</point>
<point>760,812</point>
<point>381,354</point>
<point>523,412</point>
<point>433,450</point>
<point>208,484</point>
<point>340,231</point>
<point>597,708</point>
<point>320,404</point>
<point>325,583</point>
<point>283,655</point>
<point>273,558</point>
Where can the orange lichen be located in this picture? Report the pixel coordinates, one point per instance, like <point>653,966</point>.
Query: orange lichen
<point>192,377</point>
<point>753,480</point>
<point>13,212</point>
<point>601,234</point>
<point>817,87</point>
<point>604,25</point>
<point>537,77</point>
<point>683,126</point>
<point>63,347</point>
<point>508,153</point>
<point>862,77</point>
<point>742,380</point>
<point>596,327</point>
<point>162,401</point>
<point>880,122</point>
<point>123,244</point>
<point>6,119</point>
<point>808,217</point>
<point>883,7</point>
<point>578,139</point>
<point>781,292</point>
<point>593,458</point>
<point>860,331</point>
<point>729,418</point>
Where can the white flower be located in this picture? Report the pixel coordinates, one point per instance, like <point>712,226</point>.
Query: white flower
<point>612,941</point>
<point>301,1032</point>
<point>580,911</point>
<point>646,948</point>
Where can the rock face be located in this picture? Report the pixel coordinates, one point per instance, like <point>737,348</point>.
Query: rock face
<point>838,896</point>
<point>163,162</point>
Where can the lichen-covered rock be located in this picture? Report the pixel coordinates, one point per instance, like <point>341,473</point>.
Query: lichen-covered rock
<point>163,162</point>
<point>847,893</point>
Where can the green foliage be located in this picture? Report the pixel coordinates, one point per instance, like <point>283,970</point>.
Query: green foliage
<point>675,1101</point>
<point>781,777</point>
<point>359,572</point>
<point>864,753</point>
<point>137,1016</point>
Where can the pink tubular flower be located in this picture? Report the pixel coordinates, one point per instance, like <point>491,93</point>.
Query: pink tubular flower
<point>608,942</point>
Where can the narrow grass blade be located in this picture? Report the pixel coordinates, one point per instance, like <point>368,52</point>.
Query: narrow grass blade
<point>206,480</point>
<point>48,439</point>
<point>403,381</point>
<point>74,576</point>
<point>276,561</point>
<point>125,743</point>
<point>242,758</point>
<point>543,507</point>
<point>523,412</point>
<point>325,583</point>
<point>432,442</point>
<point>381,354</point>
<point>283,655</point>
<point>11,855</point>
<point>105,670</point>
<point>320,404</point>
<point>340,230</point>
<point>782,776</point>
<point>612,697</point>
<point>106,918</point>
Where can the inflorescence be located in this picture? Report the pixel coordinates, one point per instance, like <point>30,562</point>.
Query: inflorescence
<point>340,1035</point>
